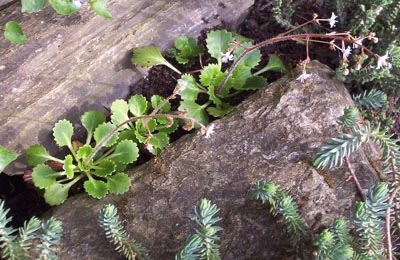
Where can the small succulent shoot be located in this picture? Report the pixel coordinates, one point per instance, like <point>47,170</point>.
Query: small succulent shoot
<point>114,230</point>
<point>14,33</point>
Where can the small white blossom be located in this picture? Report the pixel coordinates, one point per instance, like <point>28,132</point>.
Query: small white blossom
<point>358,42</point>
<point>379,10</point>
<point>77,4</point>
<point>182,85</point>
<point>332,20</point>
<point>382,61</point>
<point>303,76</point>
<point>210,131</point>
<point>226,57</point>
<point>149,147</point>
<point>346,52</point>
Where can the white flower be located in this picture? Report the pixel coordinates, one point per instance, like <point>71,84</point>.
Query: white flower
<point>332,20</point>
<point>226,57</point>
<point>358,42</point>
<point>346,52</point>
<point>77,4</point>
<point>210,131</point>
<point>382,61</point>
<point>182,85</point>
<point>303,76</point>
<point>149,147</point>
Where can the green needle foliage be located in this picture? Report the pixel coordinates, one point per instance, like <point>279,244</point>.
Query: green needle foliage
<point>18,245</point>
<point>109,221</point>
<point>202,245</point>
<point>372,99</point>
<point>282,204</point>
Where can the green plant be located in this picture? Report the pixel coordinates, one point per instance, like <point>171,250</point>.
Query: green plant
<point>334,243</point>
<point>14,33</point>
<point>202,245</point>
<point>212,81</point>
<point>6,157</point>
<point>112,226</point>
<point>283,204</point>
<point>45,235</point>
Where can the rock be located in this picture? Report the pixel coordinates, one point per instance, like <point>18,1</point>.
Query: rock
<point>82,61</point>
<point>272,135</point>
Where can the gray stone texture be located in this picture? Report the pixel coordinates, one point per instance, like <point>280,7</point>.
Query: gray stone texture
<point>272,135</point>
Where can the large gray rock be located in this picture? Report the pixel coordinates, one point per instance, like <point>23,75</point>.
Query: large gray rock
<point>273,135</point>
<point>82,61</point>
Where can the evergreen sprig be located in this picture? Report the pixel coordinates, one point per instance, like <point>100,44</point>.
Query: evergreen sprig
<point>368,221</point>
<point>349,117</point>
<point>109,221</point>
<point>372,99</point>
<point>283,204</point>
<point>17,245</point>
<point>202,245</point>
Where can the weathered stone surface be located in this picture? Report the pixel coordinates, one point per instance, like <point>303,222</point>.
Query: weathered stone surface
<point>271,136</point>
<point>82,61</point>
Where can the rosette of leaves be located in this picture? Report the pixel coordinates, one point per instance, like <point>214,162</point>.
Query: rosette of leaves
<point>215,81</point>
<point>185,49</point>
<point>153,132</point>
<point>102,170</point>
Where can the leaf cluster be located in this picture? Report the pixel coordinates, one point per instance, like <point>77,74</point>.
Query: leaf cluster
<point>112,226</point>
<point>103,169</point>
<point>202,245</point>
<point>45,235</point>
<point>14,33</point>
<point>213,80</point>
<point>6,157</point>
<point>283,204</point>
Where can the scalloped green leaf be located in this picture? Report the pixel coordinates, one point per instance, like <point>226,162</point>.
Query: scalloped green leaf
<point>119,112</point>
<point>211,75</point>
<point>32,6</point>
<point>64,7</point>
<point>62,133</point>
<point>92,119</point>
<point>104,168</point>
<point>220,111</point>
<point>57,193</point>
<point>239,77</point>
<point>156,100</point>
<point>151,125</point>
<point>102,131</point>
<point>191,90</point>
<point>254,83</point>
<point>37,154</point>
<point>69,166</point>
<point>274,64</point>
<point>43,176</point>
<point>251,60</point>
<point>84,152</point>
<point>212,96</point>
<point>125,152</point>
<point>118,183</point>
<point>194,110</point>
<point>120,167</point>
<point>149,56</point>
<point>95,188</point>
<point>186,47</point>
<point>137,105</point>
<point>127,134</point>
<point>100,8</point>
<point>6,157</point>
<point>217,43</point>
<point>159,140</point>
<point>168,130</point>
<point>14,33</point>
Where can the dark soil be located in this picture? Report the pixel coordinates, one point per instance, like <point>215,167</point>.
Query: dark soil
<point>24,201</point>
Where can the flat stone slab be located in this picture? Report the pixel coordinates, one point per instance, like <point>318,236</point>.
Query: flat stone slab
<point>271,136</point>
<point>79,62</point>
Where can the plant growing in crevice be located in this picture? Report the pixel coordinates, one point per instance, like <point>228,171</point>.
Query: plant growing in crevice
<point>112,226</point>
<point>202,245</point>
<point>334,243</point>
<point>40,236</point>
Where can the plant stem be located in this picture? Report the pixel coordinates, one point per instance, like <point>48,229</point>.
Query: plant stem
<point>353,174</point>
<point>133,119</point>
<point>387,222</point>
